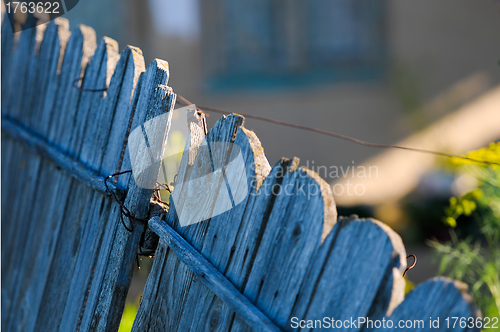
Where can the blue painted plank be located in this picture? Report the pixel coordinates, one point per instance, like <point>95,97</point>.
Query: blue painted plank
<point>125,105</point>
<point>435,299</point>
<point>74,168</point>
<point>20,216</point>
<point>52,50</point>
<point>107,299</point>
<point>211,277</point>
<point>349,278</point>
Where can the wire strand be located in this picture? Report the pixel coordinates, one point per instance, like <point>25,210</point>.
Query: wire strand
<point>186,102</point>
<point>411,266</point>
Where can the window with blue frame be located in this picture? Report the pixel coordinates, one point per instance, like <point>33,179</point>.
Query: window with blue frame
<point>266,43</point>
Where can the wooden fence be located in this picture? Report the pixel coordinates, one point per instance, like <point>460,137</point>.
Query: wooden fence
<point>270,261</point>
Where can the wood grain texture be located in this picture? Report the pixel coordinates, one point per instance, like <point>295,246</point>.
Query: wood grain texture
<point>18,77</point>
<point>10,150</point>
<point>52,51</point>
<point>103,219</point>
<point>63,263</point>
<point>29,90</point>
<point>245,246</point>
<point>70,104</point>
<point>120,134</point>
<point>210,277</point>
<point>19,69</point>
<point>132,62</point>
<point>250,221</point>
<point>20,217</point>
<point>279,248</point>
<point>154,100</point>
<point>74,168</point>
<point>42,240</point>
<point>344,272</point>
<point>70,236</point>
<point>439,298</point>
<point>6,54</point>
<point>25,238</point>
<point>13,153</point>
<point>177,316</point>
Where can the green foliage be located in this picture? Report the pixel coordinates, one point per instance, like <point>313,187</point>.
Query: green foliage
<point>463,205</point>
<point>490,153</point>
<point>476,261</point>
<point>408,286</point>
<point>128,316</point>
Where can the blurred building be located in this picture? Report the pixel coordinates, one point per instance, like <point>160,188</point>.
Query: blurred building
<point>383,71</point>
<point>291,43</point>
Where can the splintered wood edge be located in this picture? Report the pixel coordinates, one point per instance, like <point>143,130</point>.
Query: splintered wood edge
<point>138,59</point>
<point>64,34</point>
<point>163,64</point>
<point>262,170</point>
<point>89,47</point>
<point>399,283</point>
<point>466,295</point>
<point>197,135</point>
<point>113,54</point>
<point>329,206</point>
<point>40,32</point>
<point>261,164</point>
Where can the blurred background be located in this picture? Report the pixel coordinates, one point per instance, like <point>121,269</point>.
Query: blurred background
<point>422,74</point>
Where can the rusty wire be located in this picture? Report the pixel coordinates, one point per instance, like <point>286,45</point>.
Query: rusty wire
<point>124,211</point>
<point>411,266</point>
<point>186,102</point>
<point>149,254</point>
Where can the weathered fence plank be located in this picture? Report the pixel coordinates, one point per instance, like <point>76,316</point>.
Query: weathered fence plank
<point>212,278</point>
<point>30,164</point>
<point>183,289</point>
<point>282,250</point>
<point>439,298</point>
<point>154,100</point>
<point>54,287</point>
<point>35,142</point>
<point>28,94</point>
<point>7,51</point>
<point>98,229</point>
<point>29,167</point>
<point>41,242</point>
<point>53,49</point>
<point>19,70</point>
<point>125,106</point>
<point>333,290</point>
<point>8,150</point>
<point>251,249</point>
<point>63,95</point>
<point>68,256</point>
<point>71,235</point>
